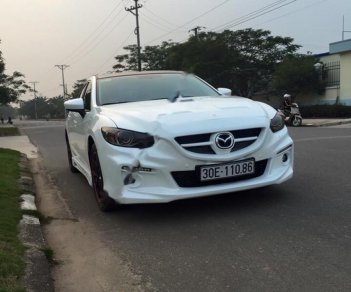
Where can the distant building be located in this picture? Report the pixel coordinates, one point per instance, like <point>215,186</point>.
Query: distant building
<point>335,69</point>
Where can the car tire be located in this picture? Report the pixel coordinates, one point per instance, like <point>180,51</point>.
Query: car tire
<point>69,154</point>
<point>104,202</point>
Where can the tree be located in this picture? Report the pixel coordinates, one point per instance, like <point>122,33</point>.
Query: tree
<point>152,58</point>
<point>45,107</point>
<point>129,61</point>
<point>78,87</point>
<point>7,111</point>
<point>34,107</point>
<point>206,55</point>
<point>56,108</point>
<point>11,86</point>
<point>242,60</point>
<point>296,74</point>
<point>156,57</point>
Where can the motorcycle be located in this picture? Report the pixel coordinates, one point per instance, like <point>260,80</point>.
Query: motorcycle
<point>292,118</point>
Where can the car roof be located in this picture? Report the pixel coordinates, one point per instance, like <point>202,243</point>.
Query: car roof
<point>130,73</point>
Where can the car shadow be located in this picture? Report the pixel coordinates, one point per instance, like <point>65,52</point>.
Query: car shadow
<point>263,199</point>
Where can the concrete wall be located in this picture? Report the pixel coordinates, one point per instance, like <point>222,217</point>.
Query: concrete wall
<point>339,51</point>
<point>345,78</point>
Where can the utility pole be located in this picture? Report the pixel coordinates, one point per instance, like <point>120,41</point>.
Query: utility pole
<point>35,99</point>
<point>196,30</point>
<point>62,68</point>
<point>137,32</point>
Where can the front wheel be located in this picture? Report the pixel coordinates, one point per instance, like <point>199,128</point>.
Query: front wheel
<point>104,202</point>
<point>297,122</point>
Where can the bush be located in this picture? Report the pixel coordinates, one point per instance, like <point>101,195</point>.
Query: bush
<point>326,111</point>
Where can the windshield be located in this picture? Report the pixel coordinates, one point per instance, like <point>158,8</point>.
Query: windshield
<point>134,88</point>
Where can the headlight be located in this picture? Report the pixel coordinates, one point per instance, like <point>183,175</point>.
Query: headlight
<point>126,138</point>
<point>277,123</point>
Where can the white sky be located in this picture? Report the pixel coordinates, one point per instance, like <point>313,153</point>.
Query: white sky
<point>86,34</point>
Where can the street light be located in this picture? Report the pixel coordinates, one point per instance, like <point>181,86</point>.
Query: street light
<point>319,68</point>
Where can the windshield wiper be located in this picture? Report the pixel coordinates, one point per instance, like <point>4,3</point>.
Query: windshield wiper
<point>109,103</point>
<point>174,98</point>
<point>177,96</point>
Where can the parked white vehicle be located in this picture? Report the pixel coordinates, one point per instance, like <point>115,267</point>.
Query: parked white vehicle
<point>150,137</point>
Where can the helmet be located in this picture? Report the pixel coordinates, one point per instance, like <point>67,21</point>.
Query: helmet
<point>287,95</point>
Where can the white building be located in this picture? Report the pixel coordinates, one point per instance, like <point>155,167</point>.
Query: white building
<point>337,74</point>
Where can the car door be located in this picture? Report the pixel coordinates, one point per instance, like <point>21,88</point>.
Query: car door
<point>83,128</point>
<point>74,120</point>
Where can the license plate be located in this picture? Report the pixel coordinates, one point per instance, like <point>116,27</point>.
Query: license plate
<point>218,171</point>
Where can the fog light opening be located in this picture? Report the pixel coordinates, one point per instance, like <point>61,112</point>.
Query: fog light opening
<point>129,179</point>
<point>285,157</point>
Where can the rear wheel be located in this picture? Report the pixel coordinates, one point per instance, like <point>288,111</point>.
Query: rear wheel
<point>104,202</point>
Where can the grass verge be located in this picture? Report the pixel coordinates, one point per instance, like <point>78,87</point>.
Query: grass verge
<point>11,249</point>
<point>10,131</point>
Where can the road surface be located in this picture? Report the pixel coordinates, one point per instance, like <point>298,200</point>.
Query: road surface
<point>291,237</point>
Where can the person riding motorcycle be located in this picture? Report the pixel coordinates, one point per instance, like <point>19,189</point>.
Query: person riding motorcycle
<point>290,111</point>
<point>287,104</point>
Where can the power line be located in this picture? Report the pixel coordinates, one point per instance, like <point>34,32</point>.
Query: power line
<point>109,58</point>
<point>190,21</point>
<point>74,61</point>
<point>253,15</point>
<point>95,40</point>
<point>170,24</point>
<point>292,12</point>
<point>154,22</point>
<point>253,12</point>
<point>86,40</point>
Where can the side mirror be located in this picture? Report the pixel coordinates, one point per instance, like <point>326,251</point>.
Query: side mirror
<point>75,105</point>
<point>224,91</point>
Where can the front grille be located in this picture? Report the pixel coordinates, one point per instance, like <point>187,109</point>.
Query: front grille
<point>190,179</point>
<point>201,143</point>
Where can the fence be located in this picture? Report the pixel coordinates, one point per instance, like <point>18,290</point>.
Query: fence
<point>331,73</point>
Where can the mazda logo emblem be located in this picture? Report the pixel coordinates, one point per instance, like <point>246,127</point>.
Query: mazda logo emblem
<point>224,140</point>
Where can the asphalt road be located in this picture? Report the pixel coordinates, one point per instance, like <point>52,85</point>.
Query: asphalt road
<point>291,237</point>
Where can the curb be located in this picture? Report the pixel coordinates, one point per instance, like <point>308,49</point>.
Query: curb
<point>326,124</point>
<point>37,276</point>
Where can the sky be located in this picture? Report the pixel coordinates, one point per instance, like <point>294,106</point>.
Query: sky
<point>36,35</point>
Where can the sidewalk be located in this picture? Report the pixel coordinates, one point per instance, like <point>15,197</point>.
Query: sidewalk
<point>21,144</point>
<point>37,275</point>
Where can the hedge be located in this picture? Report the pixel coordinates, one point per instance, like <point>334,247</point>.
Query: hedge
<point>326,111</point>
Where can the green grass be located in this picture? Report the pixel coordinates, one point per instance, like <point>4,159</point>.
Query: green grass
<point>10,131</point>
<point>11,249</point>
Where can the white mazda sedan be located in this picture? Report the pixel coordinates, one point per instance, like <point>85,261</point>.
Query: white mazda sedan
<point>151,137</point>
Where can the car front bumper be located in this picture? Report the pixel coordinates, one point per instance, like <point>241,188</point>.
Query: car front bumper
<point>155,174</point>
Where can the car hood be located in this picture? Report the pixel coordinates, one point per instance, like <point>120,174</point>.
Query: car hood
<point>195,115</point>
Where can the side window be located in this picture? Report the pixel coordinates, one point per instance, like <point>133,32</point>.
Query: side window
<point>87,98</point>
